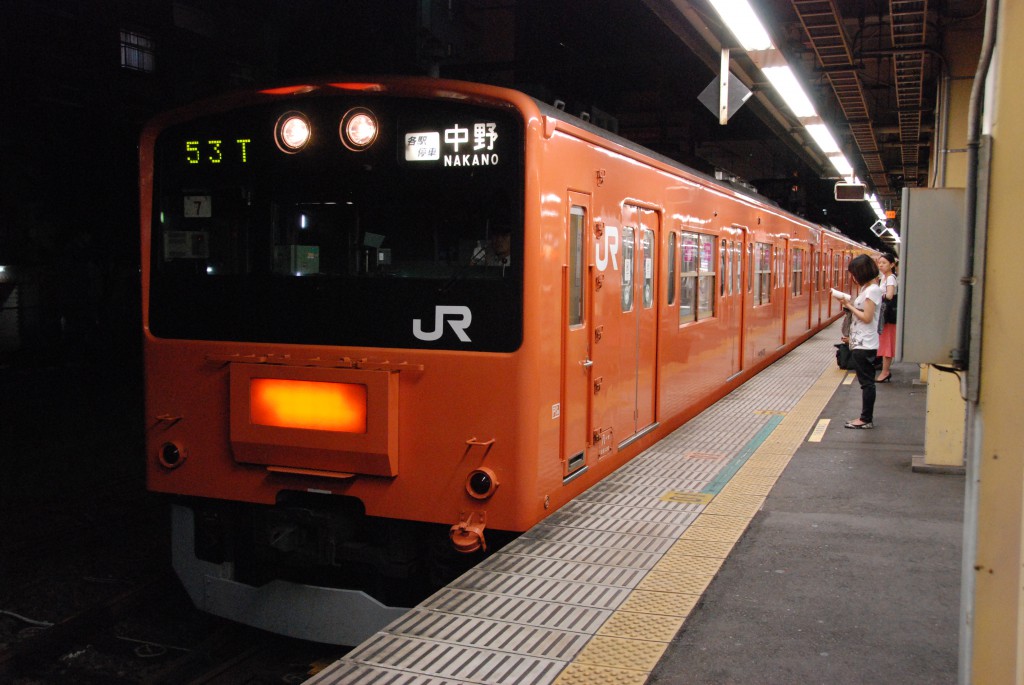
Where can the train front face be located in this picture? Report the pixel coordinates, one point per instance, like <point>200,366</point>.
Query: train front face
<point>333,295</point>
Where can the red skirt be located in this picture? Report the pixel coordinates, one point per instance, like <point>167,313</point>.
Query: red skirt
<point>887,341</point>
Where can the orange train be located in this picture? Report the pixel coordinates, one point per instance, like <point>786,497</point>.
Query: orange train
<point>391,324</point>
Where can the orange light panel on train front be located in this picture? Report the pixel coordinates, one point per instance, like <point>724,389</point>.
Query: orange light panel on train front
<point>339,407</point>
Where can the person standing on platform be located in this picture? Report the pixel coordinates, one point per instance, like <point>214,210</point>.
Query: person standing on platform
<point>866,308</point>
<point>887,338</point>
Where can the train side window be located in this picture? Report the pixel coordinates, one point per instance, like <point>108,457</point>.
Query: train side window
<point>706,280</point>
<point>577,222</point>
<point>628,244</point>
<point>671,267</point>
<point>688,278</point>
<point>798,271</point>
<point>647,244</point>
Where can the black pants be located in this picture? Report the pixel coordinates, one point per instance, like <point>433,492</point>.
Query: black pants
<point>864,365</point>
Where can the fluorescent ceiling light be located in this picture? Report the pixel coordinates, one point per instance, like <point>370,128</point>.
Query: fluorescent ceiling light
<point>789,88</point>
<point>823,137</point>
<point>741,20</point>
<point>841,165</point>
<point>876,207</point>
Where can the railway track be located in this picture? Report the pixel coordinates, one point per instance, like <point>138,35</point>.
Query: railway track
<point>151,634</point>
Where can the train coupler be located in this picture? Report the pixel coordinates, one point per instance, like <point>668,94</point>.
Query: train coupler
<point>468,534</point>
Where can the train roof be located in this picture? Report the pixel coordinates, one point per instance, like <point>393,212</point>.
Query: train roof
<point>562,115</point>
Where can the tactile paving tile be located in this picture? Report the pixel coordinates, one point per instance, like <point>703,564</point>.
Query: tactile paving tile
<point>700,548</point>
<point>746,484</point>
<point>667,581</point>
<point>639,655</point>
<point>735,504</point>
<point>701,531</point>
<point>637,626</point>
<point>671,603</point>
<point>589,674</point>
<point>595,592</point>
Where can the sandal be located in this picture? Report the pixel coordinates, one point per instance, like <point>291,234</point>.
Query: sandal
<point>851,424</point>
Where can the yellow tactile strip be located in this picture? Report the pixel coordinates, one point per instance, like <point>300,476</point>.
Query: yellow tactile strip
<point>631,642</point>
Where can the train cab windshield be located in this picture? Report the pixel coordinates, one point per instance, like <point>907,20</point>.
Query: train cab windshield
<point>273,224</point>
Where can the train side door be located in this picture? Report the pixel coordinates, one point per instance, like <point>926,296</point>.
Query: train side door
<point>575,404</point>
<point>782,286</point>
<point>639,316</point>
<point>814,315</point>
<point>732,275</point>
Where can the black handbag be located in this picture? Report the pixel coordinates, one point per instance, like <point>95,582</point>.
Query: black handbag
<point>844,357</point>
<point>890,309</point>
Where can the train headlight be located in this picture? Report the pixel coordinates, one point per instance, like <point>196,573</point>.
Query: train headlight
<point>292,132</point>
<point>358,129</point>
<point>481,483</point>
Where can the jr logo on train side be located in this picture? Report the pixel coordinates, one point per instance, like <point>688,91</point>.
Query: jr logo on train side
<point>610,242</point>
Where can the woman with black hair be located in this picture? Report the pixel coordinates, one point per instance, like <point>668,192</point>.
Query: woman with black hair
<point>865,308</point>
<point>887,338</point>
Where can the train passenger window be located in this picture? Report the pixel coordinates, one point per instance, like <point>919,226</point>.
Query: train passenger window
<point>647,243</point>
<point>706,280</point>
<point>628,244</point>
<point>577,222</point>
<point>672,267</point>
<point>763,274</point>
<point>688,278</point>
<point>798,271</point>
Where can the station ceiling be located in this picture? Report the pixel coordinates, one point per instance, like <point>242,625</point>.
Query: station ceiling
<point>871,67</point>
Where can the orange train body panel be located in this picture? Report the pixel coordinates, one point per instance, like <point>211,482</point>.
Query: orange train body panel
<point>636,294</point>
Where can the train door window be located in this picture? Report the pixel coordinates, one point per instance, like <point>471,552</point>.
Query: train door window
<point>688,278</point>
<point>763,274</point>
<point>723,251</point>
<point>647,244</point>
<point>836,283</point>
<point>706,282</point>
<point>780,268</point>
<point>672,267</point>
<point>737,266</point>
<point>577,223</point>
<point>815,272</point>
<point>628,244</point>
<point>750,268</point>
<point>798,271</point>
